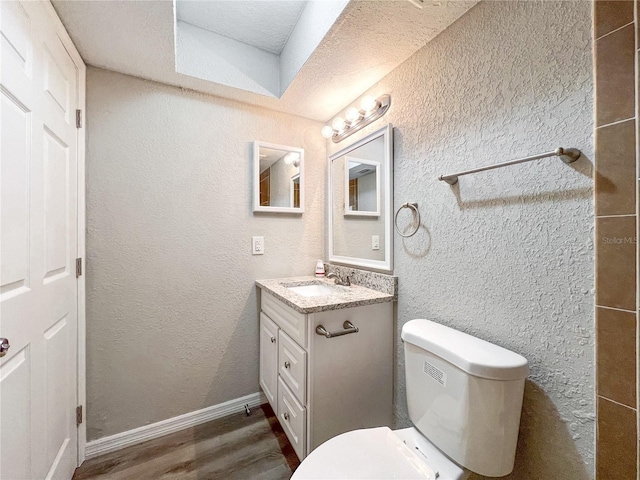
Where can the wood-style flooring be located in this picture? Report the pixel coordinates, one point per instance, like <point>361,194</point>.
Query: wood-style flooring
<point>235,447</point>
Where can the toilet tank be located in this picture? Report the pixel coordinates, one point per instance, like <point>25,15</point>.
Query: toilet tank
<point>465,395</point>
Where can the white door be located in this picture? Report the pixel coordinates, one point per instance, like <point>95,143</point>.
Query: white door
<point>38,246</point>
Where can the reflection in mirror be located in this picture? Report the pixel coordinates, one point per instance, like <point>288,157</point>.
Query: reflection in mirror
<point>360,190</point>
<point>278,174</point>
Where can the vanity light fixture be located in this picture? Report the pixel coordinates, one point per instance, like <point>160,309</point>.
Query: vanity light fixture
<point>339,124</point>
<point>368,104</point>
<point>352,115</point>
<point>292,158</point>
<point>370,109</point>
<point>327,131</point>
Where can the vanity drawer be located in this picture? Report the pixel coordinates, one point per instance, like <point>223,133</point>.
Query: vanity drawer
<point>293,418</point>
<point>292,366</point>
<point>291,321</point>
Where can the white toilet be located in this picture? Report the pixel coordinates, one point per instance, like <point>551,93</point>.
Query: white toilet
<point>464,397</point>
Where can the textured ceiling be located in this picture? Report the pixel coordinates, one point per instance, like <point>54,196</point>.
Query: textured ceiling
<point>369,39</point>
<point>263,24</point>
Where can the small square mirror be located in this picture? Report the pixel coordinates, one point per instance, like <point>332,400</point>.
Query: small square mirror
<point>278,181</point>
<point>362,187</point>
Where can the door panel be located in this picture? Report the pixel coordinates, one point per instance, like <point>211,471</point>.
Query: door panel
<point>57,346</point>
<point>16,44</point>
<point>14,178</point>
<point>56,216</point>
<point>16,33</point>
<point>15,440</point>
<point>38,210</point>
<point>56,84</point>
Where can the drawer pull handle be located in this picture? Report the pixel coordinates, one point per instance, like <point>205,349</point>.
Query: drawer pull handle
<point>287,364</point>
<point>348,328</point>
<point>285,415</point>
<point>273,339</point>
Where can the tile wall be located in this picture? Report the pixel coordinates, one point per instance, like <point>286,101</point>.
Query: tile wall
<point>616,245</point>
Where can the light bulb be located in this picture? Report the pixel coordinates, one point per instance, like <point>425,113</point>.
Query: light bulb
<point>368,103</point>
<point>339,124</point>
<point>288,159</point>
<point>327,131</point>
<point>352,114</point>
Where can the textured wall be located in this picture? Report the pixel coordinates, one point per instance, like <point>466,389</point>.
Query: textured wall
<point>506,255</point>
<point>171,306</point>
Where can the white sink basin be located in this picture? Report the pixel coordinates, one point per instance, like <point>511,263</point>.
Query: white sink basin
<point>315,290</point>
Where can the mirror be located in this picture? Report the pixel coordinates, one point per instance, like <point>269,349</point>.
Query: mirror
<point>362,178</point>
<point>278,180</point>
<point>360,202</point>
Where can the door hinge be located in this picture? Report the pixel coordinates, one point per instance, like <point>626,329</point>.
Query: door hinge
<point>78,267</point>
<point>78,415</point>
<point>78,118</point>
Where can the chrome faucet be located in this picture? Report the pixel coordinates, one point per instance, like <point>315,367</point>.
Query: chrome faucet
<point>338,281</point>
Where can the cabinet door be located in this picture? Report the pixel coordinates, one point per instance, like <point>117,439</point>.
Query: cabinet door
<point>293,418</point>
<point>269,360</point>
<point>292,366</point>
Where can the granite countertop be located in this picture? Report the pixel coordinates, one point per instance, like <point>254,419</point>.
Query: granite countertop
<point>345,297</point>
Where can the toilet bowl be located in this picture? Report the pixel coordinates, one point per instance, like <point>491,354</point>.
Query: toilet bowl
<point>464,397</point>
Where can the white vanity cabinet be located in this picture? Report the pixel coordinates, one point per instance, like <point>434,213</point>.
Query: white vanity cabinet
<point>320,387</point>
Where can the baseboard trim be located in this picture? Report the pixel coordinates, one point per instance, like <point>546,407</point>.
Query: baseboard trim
<point>171,425</point>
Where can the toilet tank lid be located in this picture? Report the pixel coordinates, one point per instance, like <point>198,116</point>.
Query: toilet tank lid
<point>470,354</point>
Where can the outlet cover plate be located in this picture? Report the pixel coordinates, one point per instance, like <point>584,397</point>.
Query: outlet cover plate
<point>257,245</point>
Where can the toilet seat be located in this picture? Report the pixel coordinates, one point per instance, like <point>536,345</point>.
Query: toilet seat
<point>373,453</point>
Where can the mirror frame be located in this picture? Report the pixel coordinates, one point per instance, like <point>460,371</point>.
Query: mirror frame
<point>256,178</point>
<point>387,264</point>
<point>361,213</point>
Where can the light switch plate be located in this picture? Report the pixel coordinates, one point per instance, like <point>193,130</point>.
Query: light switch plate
<point>375,242</point>
<point>257,245</point>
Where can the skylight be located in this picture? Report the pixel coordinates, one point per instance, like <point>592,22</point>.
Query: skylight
<point>254,45</point>
<point>266,25</point>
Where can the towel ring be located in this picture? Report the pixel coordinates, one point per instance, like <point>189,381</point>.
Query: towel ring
<point>414,207</point>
